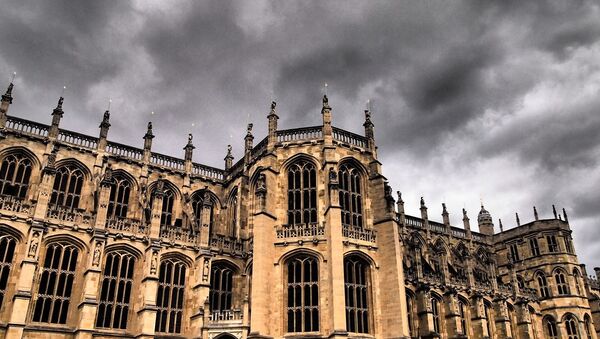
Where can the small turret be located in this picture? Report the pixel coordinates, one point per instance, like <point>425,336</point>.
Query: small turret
<point>423,210</point>
<point>400,203</point>
<point>57,114</point>
<point>5,103</point>
<point>248,142</point>
<point>565,215</point>
<point>272,117</point>
<point>104,126</point>
<point>535,214</point>
<point>148,142</point>
<point>484,221</point>
<point>369,131</point>
<point>554,212</point>
<point>518,220</point>
<point>500,225</point>
<point>466,221</point>
<point>445,215</point>
<point>326,112</point>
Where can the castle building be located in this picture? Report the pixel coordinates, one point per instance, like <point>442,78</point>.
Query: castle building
<point>300,238</point>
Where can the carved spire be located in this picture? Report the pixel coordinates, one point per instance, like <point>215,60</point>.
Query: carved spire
<point>423,209</point>
<point>228,158</point>
<point>148,142</point>
<point>445,215</point>
<point>4,104</point>
<point>535,214</point>
<point>104,126</point>
<point>400,203</point>
<point>466,221</point>
<point>326,112</point>
<point>554,212</point>
<point>272,117</point>
<point>57,114</point>
<point>7,97</point>
<point>518,221</point>
<point>500,224</point>
<point>565,214</point>
<point>369,131</point>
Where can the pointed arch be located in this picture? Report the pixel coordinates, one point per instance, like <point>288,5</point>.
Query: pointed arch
<point>75,163</point>
<point>124,247</point>
<point>300,157</point>
<point>20,150</point>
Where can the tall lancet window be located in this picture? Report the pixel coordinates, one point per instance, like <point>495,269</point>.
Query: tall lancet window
<point>56,283</point>
<point>115,294</point>
<point>118,203</point>
<point>166,216</point>
<point>7,251</point>
<point>66,191</point>
<point>350,196</point>
<point>14,175</point>
<point>198,202</point>
<point>232,215</point>
<point>303,294</point>
<point>302,193</point>
<point>170,297</point>
<point>356,283</point>
<point>221,288</point>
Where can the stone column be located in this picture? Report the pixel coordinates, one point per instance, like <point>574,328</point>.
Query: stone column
<point>272,127</point>
<point>524,323</point>
<point>425,313</point>
<point>200,290</point>
<point>103,199</point>
<point>478,319</point>
<point>104,126</point>
<point>155,226</point>
<point>45,188</point>
<point>453,325</point>
<point>147,292</point>
<point>24,286</point>
<point>5,104</point>
<point>502,319</point>
<point>327,128</point>
<point>86,312</point>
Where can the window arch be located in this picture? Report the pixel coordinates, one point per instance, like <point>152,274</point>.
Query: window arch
<point>303,294</point>
<point>550,328</point>
<point>232,215</point>
<point>199,201</point>
<point>356,283</point>
<point>8,245</point>
<point>463,315</point>
<point>56,284</point>
<point>350,191</point>
<point>115,294</point>
<point>436,313</point>
<point>170,296</point>
<point>578,287</point>
<point>512,320</point>
<point>118,203</point>
<point>168,200</point>
<point>588,326</point>
<point>15,172</point>
<point>410,311</point>
<point>543,285</point>
<point>68,183</point>
<point>302,193</point>
<point>571,327</point>
<point>561,282</point>
<point>489,319</point>
<point>221,288</point>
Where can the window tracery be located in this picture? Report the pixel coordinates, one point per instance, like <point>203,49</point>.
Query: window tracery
<point>115,293</point>
<point>302,193</point>
<point>303,294</point>
<point>15,172</point>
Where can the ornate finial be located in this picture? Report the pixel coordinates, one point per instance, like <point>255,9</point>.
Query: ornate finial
<point>60,103</point>
<point>399,196</point>
<point>422,202</point>
<point>273,105</point>
<point>518,220</point>
<point>149,131</point>
<point>229,148</point>
<point>250,125</point>
<point>8,95</point>
<point>444,210</point>
<point>190,137</point>
<point>565,214</point>
<point>554,212</point>
<point>325,101</point>
<point>500,223</point>
<point>106,116</point>
<point>465,213</point>
<point>535,213</point>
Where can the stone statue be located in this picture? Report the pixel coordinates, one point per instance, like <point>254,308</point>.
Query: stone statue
<point>205,270</point>
<point>96,256</point>
<point>261,183</point>
<point>273,104</point>
<point>154,262</point>
<point>333,177</point>
<point>33,245</point>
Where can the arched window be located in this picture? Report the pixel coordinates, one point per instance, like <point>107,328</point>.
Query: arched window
<point>56,283</point>
<point>543,285</point>
<point>512,320</point>
<point>350,196</point>
<point>578,287</point>
<point>199,201</point>
<point>588,326</point>
<point>436,313</point>
<point>166,216</point>
<point>571,326</point>
<point>302,193</point>
<point>561,282</point>
<point>14,175</point>
<point>118,202</point>
<point>115,294</point>
<point>411,316</point>
<point>550,328</point>
<point>303,294</point>
<point>7,252</point>
<point>232,212</point>
<point>462,314</point>
<point>489,320</point>
<point>356,283</point>
<point>221,288</point>
<point>170,296</point>
<point>66,191</point>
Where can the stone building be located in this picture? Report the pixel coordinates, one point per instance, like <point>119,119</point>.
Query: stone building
<point>301,238</point>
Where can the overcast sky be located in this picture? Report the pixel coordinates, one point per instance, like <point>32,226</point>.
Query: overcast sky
<point>496,101</point>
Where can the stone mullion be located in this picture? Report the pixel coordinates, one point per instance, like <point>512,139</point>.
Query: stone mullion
<point>22,298</point>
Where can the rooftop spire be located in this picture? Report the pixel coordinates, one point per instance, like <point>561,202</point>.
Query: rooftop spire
<point>554,212</point>
<point>535,214</point>
<point>8,95</point>
<point>228,158</point>
<point>500,223</point>
<point>518,221</point>
<point>565,214</point>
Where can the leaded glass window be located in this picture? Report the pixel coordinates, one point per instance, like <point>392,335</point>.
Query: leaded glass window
<point>543,285</point>
<point>7,251</point>
<point>66,191</point>
<point>561,282</point>
<point>166,216</point>
<point>350,196</point>
<point>221,288</point>
<point>571,326</point>
<point>303,294</point>
<point>170,296</point>
<point>436,313</point>
<point>550,328</point>
<point>115,294</point>
<point>302,193</point>
<point>356,275</point>
<point>14,175</point>
<point>118,202</point>
<point>56,283</point>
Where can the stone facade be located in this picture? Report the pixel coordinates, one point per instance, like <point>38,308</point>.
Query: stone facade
<point>301,238</point>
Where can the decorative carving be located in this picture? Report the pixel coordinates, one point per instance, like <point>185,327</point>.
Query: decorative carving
<point>261,182</point>
<point>154,262</point>
<point>33,245</point>
<point>206,269</point>
<point>96,256</point>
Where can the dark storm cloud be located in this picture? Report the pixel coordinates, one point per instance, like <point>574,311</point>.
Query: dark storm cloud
<point>488,95</point>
